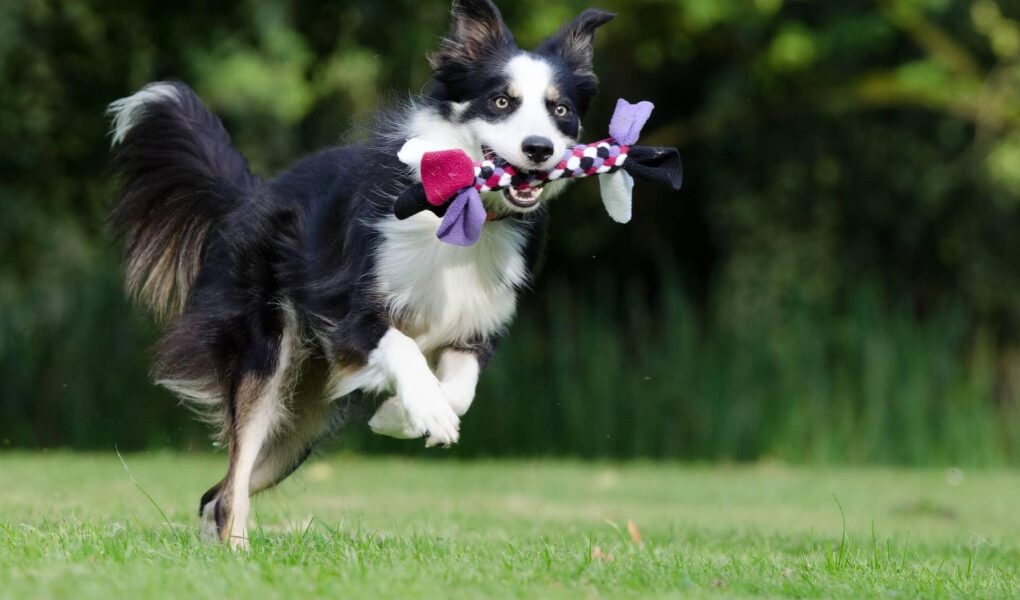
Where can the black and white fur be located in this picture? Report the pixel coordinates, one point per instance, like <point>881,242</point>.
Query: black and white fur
<point>284,298</point>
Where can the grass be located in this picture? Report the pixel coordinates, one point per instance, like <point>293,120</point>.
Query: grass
<point>74,525</point>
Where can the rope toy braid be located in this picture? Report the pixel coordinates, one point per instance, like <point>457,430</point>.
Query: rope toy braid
<point>451,181</point>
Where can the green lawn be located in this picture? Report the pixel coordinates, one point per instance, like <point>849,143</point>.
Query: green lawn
<point>75,526</point>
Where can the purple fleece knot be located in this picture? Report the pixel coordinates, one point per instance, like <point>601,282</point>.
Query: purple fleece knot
<point>628,119</point>
<point>462,225</point>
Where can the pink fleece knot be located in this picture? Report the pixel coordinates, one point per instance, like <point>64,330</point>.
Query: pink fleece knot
<point>444,173</point>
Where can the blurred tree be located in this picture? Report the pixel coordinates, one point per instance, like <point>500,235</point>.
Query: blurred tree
<point>853,168</point>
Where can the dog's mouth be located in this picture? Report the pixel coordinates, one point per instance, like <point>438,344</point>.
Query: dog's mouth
<point>525,197</point>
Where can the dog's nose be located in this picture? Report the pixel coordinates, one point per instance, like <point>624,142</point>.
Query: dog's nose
<point>537,148</point>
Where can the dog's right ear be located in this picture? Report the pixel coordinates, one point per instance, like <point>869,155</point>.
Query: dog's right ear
<point>477,30</point>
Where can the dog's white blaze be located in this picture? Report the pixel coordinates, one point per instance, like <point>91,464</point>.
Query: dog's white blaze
<point>445,294</point>
<point>126,111</point>
<point>530,80</point>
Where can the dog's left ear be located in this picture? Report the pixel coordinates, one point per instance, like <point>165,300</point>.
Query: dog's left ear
<point>575,42</point>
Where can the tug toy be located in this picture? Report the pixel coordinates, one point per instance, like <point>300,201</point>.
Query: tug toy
<point>451,182</point>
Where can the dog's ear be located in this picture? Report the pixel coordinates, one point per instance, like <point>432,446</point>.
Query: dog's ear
<point>574,42</point>
<point>477,29</point>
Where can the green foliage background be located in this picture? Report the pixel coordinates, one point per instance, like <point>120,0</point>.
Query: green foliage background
<point>837,282</point>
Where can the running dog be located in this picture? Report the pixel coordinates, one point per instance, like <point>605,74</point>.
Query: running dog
<point>281,297</point>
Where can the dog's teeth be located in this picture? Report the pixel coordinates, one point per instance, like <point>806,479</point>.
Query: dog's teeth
<point>524,197</point>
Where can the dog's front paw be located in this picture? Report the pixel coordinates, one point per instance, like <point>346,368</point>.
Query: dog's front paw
<point>430,414</point>
<point>391,420</point>
<point>459,395</point>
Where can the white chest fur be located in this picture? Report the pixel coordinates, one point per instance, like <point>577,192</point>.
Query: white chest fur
<point>442,294</point>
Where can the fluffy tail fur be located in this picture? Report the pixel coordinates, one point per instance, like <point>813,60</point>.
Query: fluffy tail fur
<point>179,175</point>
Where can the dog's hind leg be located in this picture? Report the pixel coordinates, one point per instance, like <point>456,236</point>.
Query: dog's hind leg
<point>280,456</point>
<point>207,512</point>
<point>257,409</point>
<point>292,446</point>
<point>312,418</point>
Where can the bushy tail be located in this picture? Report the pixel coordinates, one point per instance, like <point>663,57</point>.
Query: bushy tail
<point>179,174</point>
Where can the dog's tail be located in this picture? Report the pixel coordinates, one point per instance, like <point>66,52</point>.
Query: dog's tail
<point>179,175</point>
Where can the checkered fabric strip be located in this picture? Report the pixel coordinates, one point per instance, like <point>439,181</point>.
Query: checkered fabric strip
<point>582,160</point>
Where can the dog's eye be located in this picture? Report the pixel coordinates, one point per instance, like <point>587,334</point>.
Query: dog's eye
<point>561,110</point>
<point>501,102</point>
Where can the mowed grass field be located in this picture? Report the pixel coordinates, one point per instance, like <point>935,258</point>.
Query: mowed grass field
<point>77,526</point>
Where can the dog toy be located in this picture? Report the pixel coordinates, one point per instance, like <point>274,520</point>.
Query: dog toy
<point>451,182</point>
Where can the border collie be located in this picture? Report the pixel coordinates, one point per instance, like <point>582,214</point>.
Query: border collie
<point>283,296</point>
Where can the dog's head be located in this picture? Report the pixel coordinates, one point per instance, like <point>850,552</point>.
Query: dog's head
<point>523,106</point>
